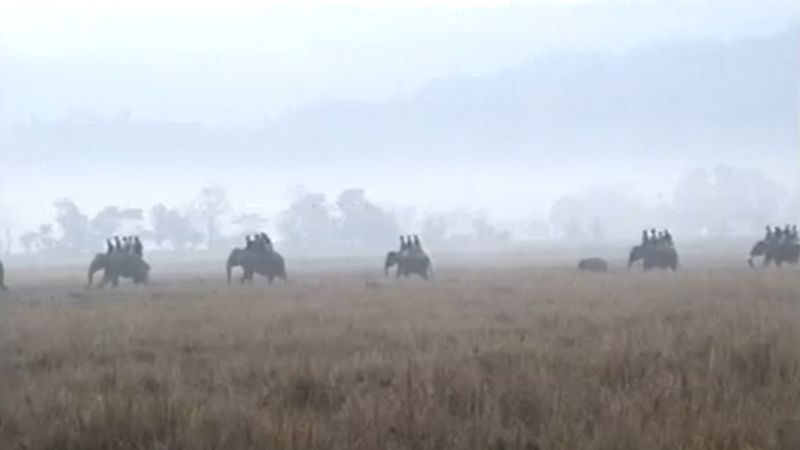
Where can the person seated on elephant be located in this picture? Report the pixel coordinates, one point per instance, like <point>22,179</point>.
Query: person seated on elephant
<point>645,239</point>
<point>138,248</point>
<point>248,242</point>
<point>109,247</point>
<point>787,233</point>
<point>417,244</point>
<point>117,244</point>
<point>267,242</point>
<point>258,243</point>
<point>777,235</point>
<point>402,244</point>
<point>653,237</point>
<point>794,233</point>
<point>768,235</point>
<point>668,239</point>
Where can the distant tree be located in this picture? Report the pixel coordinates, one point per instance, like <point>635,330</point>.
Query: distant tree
<point>308,222</point>
<point>76,234</point>
<point>434,229</point>
<point>250,223</point>
<point>169,225</point>
<point>108,221</point>
<point>363,222</point>
<point>574,214</point>
<point>212,204</point>
<point>486,233</point>
<point>727,197</point>
<point>598,230</point>
<point>38,240</point>
<point>46,240</point>
<point>28,241</point>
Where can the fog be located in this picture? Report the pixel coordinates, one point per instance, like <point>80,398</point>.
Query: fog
<point>337,126</point>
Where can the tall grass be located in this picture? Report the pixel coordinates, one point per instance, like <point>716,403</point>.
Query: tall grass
<point>505,359</point>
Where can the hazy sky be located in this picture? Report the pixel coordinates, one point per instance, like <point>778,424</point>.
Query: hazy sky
<point>239,63</point>
<point>226,62</point>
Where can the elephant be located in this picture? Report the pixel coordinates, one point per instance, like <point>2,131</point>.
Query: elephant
<point>409,263</point>
<point>593,265</point>
<point>779,253</point>
<point>664,257</point>
<point>268,263</point>
<point>2,277</point>
<point>116,266</point>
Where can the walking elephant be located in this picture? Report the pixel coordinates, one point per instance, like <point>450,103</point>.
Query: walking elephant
<point>410,262</point>
<point>116,266</point>
<point>663,257</point>
<point>778,253</point>
<point>268,263</point>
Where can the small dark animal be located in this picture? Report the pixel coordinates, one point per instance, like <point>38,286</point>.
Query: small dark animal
<point>593,265</point>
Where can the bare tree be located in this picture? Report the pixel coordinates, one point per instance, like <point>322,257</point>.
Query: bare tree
<point>250,222</point>
<point>212,204</point>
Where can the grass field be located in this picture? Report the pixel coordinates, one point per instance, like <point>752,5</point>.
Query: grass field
<point>507,358</point>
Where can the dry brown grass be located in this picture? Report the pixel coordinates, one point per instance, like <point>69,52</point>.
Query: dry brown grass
<point>505,359</point>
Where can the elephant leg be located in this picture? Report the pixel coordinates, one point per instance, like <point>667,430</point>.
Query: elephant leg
<point>104,281</point>
<point>270,278</point>
<point>248,275</point>
<point>115,281</point>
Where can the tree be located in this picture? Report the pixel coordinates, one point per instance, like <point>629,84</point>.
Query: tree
<point>174,227</point>
<point>250,223</point>
<point>308,222</point>
<point>434,229</point>
<point>212,204</point>
<point>726,198</point>
<point>76,234</point>
<point>363,222</point>
<point>28,241</point>
<point>108,221</point>
<point>575,214</point>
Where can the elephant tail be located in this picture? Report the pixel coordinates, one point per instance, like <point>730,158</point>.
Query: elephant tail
<point>2,278</point>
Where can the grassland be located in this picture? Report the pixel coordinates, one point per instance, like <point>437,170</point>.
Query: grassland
<point>509,358</point>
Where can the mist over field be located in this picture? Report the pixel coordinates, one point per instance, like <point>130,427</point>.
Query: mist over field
<point>336,128</point>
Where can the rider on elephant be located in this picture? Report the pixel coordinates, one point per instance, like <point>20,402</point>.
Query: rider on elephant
<point>138,248</point>
<point>777,235</point>
<point>668,238</point>
<point>266,242</point>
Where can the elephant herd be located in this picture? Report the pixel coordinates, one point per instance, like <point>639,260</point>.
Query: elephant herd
<point>413,261</point>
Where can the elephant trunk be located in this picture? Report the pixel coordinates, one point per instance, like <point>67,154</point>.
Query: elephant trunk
<point>231,263</point>
<point>93,268</point>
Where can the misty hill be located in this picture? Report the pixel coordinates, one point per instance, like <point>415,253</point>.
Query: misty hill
<point>682,98</point>
<point>673,99</point>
